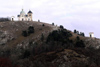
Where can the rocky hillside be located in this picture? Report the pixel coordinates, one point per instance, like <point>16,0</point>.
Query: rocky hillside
<point>11,32</point>
<point>47,46</point>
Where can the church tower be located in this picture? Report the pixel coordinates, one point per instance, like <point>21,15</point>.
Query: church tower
<point>22,16</point>
<point>29,15</point>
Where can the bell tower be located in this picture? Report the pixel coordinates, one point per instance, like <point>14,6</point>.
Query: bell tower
<point>30,15</point>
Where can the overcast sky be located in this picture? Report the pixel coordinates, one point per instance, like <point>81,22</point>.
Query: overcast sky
<point>82,15</point>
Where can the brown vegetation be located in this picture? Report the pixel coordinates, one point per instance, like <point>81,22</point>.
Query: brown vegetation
<point>47,46</point>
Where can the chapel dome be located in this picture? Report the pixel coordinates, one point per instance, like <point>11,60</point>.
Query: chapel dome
<point>22,12</point>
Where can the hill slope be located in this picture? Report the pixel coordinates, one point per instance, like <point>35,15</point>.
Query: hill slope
<point>48,46</point>
<point>13,31</point>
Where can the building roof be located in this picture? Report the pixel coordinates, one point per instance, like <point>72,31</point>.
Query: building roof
<point>26,15</point>
<point>30,11</point>
<point>22,12</point>
<point>12,16</point>
<point>91,33</point>
<point>18,15</point>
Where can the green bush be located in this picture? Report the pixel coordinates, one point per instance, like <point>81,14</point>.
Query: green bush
<point>53,24</point>
<point>43,25</point>
<point>61,27</point>
<point>30,30</point>
<point>26,54</point>
<point>42,37</point>
<point>24,33</point>
<point>75,31</point>
<point>59,37</point>
<point>80,43</point>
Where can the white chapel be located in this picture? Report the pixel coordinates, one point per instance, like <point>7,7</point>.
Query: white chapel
<point>25,17</point>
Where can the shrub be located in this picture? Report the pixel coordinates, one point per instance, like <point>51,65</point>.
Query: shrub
<point>82,34</point>
<point>24,33</point>
<point>61,27</point>
<point>59,35</point>
<point>43,25</point>
<point>26,54</point>
<point>4,19</point>
<point>53,24</point>
<point>74,31</point>
<point>42,37</point>
<point>78,38</point>
<point>6,62</point>
<point>80,43</point>
<point>38,20</point>
<point>77,32</point>
<point>30,30</point>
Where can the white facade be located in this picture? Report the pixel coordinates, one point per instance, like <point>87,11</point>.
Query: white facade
<point>12,18</point>
<point>25,17</point>
<point>91,34</point>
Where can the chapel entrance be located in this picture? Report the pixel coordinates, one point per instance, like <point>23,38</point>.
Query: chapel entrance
<point>22,19</point>
<point>90,35</point>
<point>12,19</point>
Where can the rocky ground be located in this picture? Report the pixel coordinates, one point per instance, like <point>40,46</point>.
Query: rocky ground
<point>11,32</point>
<point>19,49</point>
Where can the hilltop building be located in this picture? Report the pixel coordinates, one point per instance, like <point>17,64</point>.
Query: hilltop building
<point>25,17</point>
<point>91,34</point>
<point>12,18</point>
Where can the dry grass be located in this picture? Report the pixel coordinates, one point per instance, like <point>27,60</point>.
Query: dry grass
<point>15,29</point>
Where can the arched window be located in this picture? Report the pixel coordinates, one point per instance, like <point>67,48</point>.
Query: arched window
<point>28,19</point>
